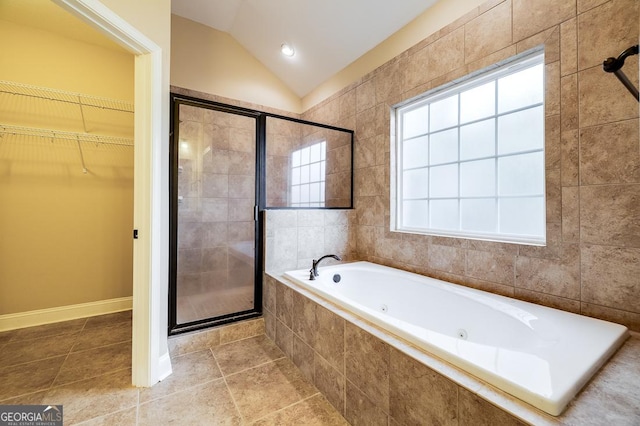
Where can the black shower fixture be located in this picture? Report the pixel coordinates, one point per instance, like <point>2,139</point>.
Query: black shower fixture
<point>615,65</point>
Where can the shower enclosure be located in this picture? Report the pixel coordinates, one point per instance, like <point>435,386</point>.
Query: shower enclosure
<point>214,215</point>
<point>227,165</point>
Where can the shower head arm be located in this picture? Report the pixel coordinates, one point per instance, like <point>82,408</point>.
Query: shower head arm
<point>615,65</point>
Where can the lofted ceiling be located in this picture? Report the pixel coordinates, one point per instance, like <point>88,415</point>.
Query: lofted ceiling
<point>327,35</point>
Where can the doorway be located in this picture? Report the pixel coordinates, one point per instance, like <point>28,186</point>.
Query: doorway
<point>150,356</point>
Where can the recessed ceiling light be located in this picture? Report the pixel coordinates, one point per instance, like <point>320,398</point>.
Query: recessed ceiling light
<point>287,50</point>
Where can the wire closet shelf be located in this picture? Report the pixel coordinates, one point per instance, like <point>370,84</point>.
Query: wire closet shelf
<point>60,135</point>
<point>81,100</point>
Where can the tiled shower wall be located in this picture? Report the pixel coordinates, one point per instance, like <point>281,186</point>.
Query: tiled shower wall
<point>215,216</point>
<point>295,237</point>
<point>591,263</point>
<point>282,135</point>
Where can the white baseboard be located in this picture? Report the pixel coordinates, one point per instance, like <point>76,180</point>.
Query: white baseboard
<point>164,367</point>
<point>64,313</point>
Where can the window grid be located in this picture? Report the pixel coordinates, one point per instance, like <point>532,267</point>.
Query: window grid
<point>498,232</point>
<point>302,188</point>
<point>488,157</point>
<point>468,123</point>
<point>496,204</point>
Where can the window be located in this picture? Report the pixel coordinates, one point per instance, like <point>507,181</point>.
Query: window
<point>308,176</point>
<point>470,159</point>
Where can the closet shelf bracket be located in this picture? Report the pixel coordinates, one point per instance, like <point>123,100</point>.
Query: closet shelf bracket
<point>84,123</point>
<point>84,167</point>
<point>615,65</point>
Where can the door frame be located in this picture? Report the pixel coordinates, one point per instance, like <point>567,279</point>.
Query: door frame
<point>150,357</point>
<point>177,100</point>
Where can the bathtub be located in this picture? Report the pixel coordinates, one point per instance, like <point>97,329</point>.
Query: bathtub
<point>541,355</point>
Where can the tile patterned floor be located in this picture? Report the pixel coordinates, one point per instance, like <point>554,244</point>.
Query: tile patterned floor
<point>85,365</point>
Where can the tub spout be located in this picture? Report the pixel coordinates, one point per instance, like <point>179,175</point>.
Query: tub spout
<point>313,272</point>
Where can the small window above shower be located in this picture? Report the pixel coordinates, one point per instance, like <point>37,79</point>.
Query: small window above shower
<point>308,165</point>
<point>308,176</point>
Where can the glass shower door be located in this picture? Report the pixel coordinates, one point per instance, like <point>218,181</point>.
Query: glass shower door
<point>214,188</point>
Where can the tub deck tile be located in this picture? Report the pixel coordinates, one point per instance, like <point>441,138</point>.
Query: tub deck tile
<point>610,395</point>
<point>419,394</point>
<point>367,365</point>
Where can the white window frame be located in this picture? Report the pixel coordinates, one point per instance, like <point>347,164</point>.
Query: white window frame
<point>511,66</point>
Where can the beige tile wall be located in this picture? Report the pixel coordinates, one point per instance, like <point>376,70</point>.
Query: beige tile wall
<point>282,137</point>
<point>295,237</point>
<point>591,263</point>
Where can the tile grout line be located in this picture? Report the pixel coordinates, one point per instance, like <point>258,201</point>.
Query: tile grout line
<point>29,362</point>
<point>76,333</point>
<point>189,387</point>
<point>62,365</point>
<point>185,336</point>
<point>90,377</point>
<point>12,341</point>
<point>45,389</point>
<point>255,366</point>
<point>84,326</point>
<point>104,415</point>
<point>289,406</point>
<point>99,347</point>
<point>226,384</point>
<point>87,378</point>
<point>49,387</point>
<point>138,396</point>
<point>238,340</point>
<point>15,338</point>
<point>22,394</point>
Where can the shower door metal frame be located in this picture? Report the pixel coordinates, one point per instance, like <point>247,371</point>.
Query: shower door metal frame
<point>260,120</point>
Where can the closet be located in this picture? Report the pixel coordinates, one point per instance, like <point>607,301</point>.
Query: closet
<point>66,185</point>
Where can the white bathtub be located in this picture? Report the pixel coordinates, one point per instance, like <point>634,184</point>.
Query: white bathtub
<point>541,355</point>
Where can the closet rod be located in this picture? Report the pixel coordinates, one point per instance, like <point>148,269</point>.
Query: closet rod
<point>13,88</point>
<point>71,136</point>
